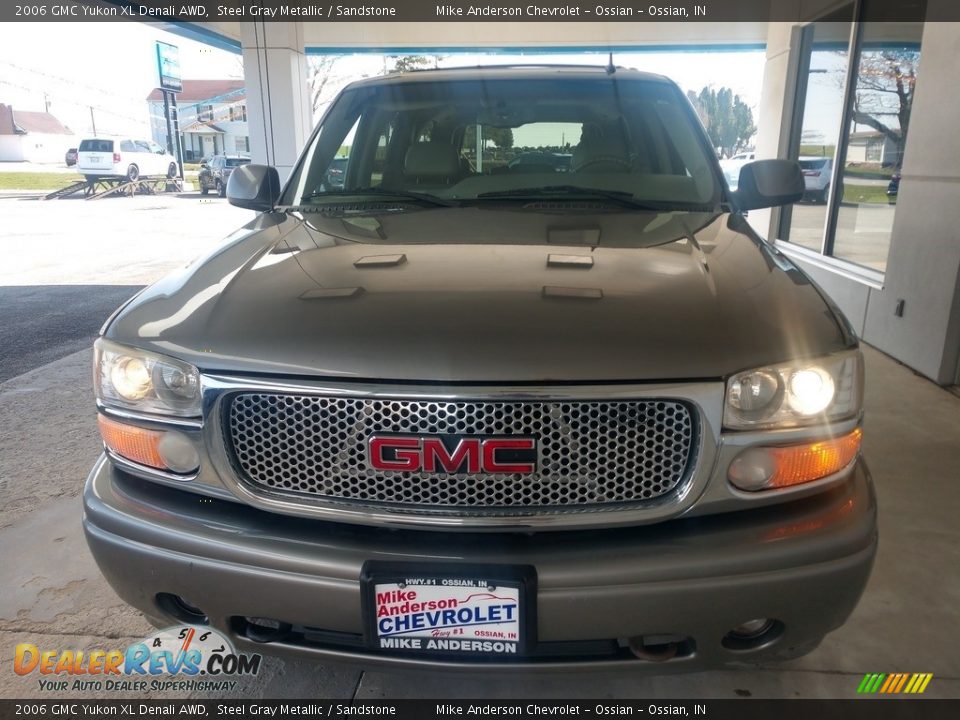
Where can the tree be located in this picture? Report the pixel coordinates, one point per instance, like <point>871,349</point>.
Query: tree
<point>886,80</point>
<point>501,137</point>
<point>728,120</point>
<point>322,80</point>
<point>405,63</point>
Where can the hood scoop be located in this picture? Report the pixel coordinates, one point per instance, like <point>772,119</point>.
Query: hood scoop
<point>580,262</point>
<point>331,293</point>
<point>372,261</point>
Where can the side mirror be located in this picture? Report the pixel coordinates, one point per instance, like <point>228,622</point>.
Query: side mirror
<point>768,183</point>
<point>203,165</point>
<point>254,187</point>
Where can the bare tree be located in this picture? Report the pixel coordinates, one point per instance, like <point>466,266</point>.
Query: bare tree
<point>322,79</point>
<point>886,80</point>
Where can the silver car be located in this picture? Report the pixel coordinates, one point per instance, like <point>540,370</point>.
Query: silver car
<point>449,415</point>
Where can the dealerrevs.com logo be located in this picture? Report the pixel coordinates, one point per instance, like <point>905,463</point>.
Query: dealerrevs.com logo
<point>183,657</point>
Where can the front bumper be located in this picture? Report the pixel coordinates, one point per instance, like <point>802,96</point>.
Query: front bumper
<point>803,563</point>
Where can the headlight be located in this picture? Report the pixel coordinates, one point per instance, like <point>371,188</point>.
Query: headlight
<point>802,392</point>
<point>145,381</point>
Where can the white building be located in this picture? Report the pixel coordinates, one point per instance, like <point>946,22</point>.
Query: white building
<point>32,136</point>
<point>872,147</point>
<point>213,118</point>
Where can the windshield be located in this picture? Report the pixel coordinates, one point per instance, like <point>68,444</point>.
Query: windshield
<point>237,162</point>
<point>493,140</point>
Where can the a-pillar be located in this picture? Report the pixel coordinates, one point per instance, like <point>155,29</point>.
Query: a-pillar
<point>279,115</point>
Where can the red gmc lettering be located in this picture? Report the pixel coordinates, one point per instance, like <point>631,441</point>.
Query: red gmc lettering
<point>406,459</point>
<point>434,451</point>
<point>490,463</point>
<point>471,455</point>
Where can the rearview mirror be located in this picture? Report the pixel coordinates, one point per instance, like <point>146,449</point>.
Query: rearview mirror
<point>254,187</point>
<point>768,183</point>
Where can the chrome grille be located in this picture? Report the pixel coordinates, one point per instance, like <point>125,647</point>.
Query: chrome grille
<point>591,454</point>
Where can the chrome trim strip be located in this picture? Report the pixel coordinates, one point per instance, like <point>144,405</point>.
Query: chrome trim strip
<point>146,471</point>
<point>150,419</point>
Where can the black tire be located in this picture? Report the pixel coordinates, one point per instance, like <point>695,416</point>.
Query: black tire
<point>172,170</point>
<point>221,190</point>
<point>133,173</point>
<point>822,198</point>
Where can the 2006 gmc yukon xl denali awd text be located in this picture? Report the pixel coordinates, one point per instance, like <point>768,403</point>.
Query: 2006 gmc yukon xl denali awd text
<point>459,414</point>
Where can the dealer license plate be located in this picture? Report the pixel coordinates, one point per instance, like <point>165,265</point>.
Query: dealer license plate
<point>474,612</point>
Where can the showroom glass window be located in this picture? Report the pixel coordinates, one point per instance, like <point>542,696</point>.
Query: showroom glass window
<point>850,129</point>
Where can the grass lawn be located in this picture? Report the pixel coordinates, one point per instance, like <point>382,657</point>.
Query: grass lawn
<point>40,181</point>
<point>864,193</point>
<point>37,181</point>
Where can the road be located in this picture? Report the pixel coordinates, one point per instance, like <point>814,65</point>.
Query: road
<point>42,323</point>
<point>68,264</point>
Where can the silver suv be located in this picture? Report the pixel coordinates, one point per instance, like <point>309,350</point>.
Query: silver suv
<point>459,411</point>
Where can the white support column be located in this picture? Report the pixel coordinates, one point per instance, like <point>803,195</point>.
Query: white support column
<point>771,113</point>
<point>278,102</point>
<point>923,267</point>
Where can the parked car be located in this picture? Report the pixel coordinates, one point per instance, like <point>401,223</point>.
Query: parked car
<point>70,157</point>
<point>215,172</point>
<point>532,162</point>
<point>816,177</point>
<point>455,418</point>
<point>124,158</point>
<point>731,167</point>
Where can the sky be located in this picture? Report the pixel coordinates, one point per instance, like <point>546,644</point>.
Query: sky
<point>110,67</point>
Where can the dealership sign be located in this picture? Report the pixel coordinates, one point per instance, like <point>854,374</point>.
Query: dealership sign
<point>168,67</point>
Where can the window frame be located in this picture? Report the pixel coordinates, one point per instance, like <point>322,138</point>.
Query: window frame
<point>790,141</point>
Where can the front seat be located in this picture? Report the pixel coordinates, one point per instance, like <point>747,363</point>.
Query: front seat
<point>601,152</point>
<point>431,164</point>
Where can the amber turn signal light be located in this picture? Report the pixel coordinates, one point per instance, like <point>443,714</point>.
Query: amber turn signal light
<point>132,442</point>
<point>771,468</point>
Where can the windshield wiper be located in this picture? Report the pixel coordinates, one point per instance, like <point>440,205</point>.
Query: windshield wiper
<point>575,192</point>
<point>382,193</point>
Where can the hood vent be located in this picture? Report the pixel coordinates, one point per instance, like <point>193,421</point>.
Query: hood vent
<point>368,261</point>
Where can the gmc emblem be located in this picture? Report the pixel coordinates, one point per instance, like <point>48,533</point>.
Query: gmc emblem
<point>453,454</point>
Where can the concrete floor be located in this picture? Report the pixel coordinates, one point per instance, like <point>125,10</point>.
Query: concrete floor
<point>52,594</point>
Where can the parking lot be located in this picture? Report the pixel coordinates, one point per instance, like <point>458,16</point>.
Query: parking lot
<point>67,264</point>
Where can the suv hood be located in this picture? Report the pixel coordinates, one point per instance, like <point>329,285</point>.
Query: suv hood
<point>487,295</point>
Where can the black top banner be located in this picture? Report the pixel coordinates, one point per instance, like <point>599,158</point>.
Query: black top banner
<point>340,11</point>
